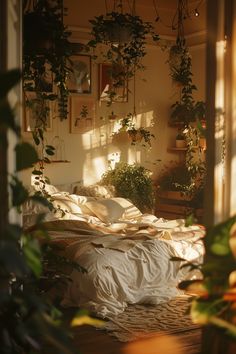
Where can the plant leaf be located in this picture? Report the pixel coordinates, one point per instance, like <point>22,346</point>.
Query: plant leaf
<point>26,156</point>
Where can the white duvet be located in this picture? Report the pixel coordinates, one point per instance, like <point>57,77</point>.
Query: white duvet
<point>132,267</point>
<point>126,253</point>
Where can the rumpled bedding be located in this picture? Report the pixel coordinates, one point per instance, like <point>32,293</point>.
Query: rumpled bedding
<point>127,261</point>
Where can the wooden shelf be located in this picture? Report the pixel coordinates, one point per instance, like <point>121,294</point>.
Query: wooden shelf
<point>59,161</point>
<point>173,149</point>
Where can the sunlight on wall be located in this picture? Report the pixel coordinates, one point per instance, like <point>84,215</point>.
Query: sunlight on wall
<point>103,150</point>
<point>93,168</point>
<point>219,128</point>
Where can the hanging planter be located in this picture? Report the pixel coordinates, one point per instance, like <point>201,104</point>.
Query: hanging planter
<point>117,32</point>
<point>123,37</point>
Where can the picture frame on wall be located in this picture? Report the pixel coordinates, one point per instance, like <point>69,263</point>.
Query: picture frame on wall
<point>79,80</point>
<point>82,114</point>
<point>106,85</point>
<point>32,113</point>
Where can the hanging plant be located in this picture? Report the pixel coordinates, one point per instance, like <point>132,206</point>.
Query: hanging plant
<point>124,36</point>
<point>186,110</point>
<point>136,134</point>
<point>46,53</point>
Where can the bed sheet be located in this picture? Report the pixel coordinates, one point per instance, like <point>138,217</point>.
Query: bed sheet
<point>126,262</point>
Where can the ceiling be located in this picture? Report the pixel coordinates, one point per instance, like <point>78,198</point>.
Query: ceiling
<point>79,13</point>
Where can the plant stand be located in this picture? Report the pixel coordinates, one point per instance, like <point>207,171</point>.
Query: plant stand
<point>175,205</point>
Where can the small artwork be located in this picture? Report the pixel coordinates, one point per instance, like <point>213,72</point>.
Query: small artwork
<point>82,113</point>
<point>34,111</point>
<point>107,86</point>
<point>79,80</point>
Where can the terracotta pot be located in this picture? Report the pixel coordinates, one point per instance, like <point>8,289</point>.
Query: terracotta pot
<point>202,143</point>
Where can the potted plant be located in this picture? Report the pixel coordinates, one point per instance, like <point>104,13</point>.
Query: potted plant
<point>131,181</point>
<point>123,37</point>
<point>201,126</point>
<point>136,135</point>
<point>180,140</point>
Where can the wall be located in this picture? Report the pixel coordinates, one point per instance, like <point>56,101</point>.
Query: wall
<point>89,153</point>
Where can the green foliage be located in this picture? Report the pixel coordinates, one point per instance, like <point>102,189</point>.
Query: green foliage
<point>124,36</point>
<point>140,134</point>
<point>215,303</point>
<point>132,182</point>
<point>26,156</point>
<point>46,55</point>
<point>27,321</point>
<point>175,177</point>
<point>186,110</point>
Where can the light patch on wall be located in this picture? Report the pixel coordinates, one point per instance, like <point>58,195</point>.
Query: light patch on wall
<point>220,53</point>
<point>99,165</point>
<point>145,119</point>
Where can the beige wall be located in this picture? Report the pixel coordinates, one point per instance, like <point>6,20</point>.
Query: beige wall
<point>89,153</point>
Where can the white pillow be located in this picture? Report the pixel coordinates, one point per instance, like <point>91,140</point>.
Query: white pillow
<point>113,209</point>
<point>65,203</point>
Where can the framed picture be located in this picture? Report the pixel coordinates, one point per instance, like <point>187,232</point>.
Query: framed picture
<point>106,85</point>
<point>33,112</point>
<point>82,114</point>
<point>79,80</point>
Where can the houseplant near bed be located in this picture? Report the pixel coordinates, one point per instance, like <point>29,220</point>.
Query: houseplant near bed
<point>133,182</point>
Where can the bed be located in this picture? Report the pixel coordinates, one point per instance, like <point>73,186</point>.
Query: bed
<point>126,254</point>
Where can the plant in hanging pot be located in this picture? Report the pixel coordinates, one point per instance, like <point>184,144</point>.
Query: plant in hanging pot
<point>186,110</point>
<point>46,53</point>
<point>123,37</point>
<point>136,135</point>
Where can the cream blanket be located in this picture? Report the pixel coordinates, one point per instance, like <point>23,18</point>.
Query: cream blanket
<point>126,262</point>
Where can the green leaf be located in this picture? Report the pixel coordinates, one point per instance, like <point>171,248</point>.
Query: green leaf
<point>37,172</point>
<point>42,200</point>
<point>26,156</point>
<point>19,192</point>
<point>8,80</point>
<point>49,152</point>
<point>32,254</point>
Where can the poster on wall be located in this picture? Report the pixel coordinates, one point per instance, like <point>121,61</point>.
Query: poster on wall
<point>82,114</point>
<point>107,87</point>
<point>79,80</point>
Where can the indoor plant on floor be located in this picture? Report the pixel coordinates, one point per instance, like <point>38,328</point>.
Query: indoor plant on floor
<point>132,181</point>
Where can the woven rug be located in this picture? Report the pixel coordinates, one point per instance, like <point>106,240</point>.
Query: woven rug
<point>141,321</point>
